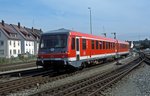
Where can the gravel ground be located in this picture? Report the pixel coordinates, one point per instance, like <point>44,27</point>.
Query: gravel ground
<point>137,83</point>
<point>73,78</point>
<point>5,79</point>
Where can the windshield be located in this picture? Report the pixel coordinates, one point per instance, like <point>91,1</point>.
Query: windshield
<point>54,41</point>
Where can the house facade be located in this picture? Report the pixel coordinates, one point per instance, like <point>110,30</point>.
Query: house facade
<point>27,40</point>
<point>36,35</point>
<point>10,43</point>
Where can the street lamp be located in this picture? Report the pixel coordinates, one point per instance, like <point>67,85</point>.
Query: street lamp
<point>90,19</point>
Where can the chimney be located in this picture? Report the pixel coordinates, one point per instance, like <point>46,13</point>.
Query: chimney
<point>3,23</point>
<point>32,29</point>
<point>19,25</point>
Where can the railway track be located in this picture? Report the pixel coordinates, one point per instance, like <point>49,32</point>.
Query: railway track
<point>9,67</point>
<point>92,86</point>
<point>16,74</point>
<point>37,79</point>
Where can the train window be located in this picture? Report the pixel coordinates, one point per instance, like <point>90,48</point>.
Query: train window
<point>100,44</point>
<point>83,44</point>
<point>77,44</point>
<point>104,45</point>
<point>73,44</point>
<point>96,44</point>
<point>113,45</point>
<point>53,41</point>
<point>92,44</point>
<point>110,45</point>
<point>107,45</point>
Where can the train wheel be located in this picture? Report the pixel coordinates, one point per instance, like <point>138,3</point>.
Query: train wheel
<point>83,65</point>
<point>45,67</point>
<point>70,69</point>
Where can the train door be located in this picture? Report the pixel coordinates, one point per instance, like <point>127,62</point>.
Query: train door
<point>77,48</point>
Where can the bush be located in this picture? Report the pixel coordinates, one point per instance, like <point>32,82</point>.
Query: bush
<point>24,57</point>
<point>3,60</point>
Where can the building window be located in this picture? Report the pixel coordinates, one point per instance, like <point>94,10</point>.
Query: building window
<point>10,42</point>
<point>10,52</point>
<point>92,44</point>
<point>1,43</point>
<point>1,52</point>
<point>14,44</point>
<point>84,44</point>
<point>73,44</point>
<point>18,51</point>
<point>30,51</point>
<point>18,43</point>
<point>14,51</point>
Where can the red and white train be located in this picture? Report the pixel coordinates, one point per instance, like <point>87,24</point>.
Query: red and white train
<point>63,48</point>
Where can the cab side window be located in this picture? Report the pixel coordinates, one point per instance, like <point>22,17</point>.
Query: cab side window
<point>73,44</point>
<point>92,43</point>
<point>84,44</point>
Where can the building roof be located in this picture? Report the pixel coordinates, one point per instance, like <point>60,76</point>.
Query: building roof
<point>61,30</point>
<point>35,32</point>
<point>23,32</point>
<point>9,32</point>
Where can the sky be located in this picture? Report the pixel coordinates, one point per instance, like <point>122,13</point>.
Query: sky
<point>130,19</point>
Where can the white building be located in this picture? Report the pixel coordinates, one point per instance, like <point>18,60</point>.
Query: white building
<point>36,35</point>
<point>27,41</point>
<point>10,43</point>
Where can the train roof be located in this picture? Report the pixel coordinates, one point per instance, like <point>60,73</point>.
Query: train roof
<point>58,31</point>
<point>83,35</point>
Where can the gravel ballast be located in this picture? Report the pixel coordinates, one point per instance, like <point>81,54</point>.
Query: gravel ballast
<point>137,83</point>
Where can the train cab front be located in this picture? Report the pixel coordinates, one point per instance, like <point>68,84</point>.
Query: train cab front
<point>53,51</point>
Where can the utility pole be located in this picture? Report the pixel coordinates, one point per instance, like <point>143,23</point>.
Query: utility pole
<point>117,55</point>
